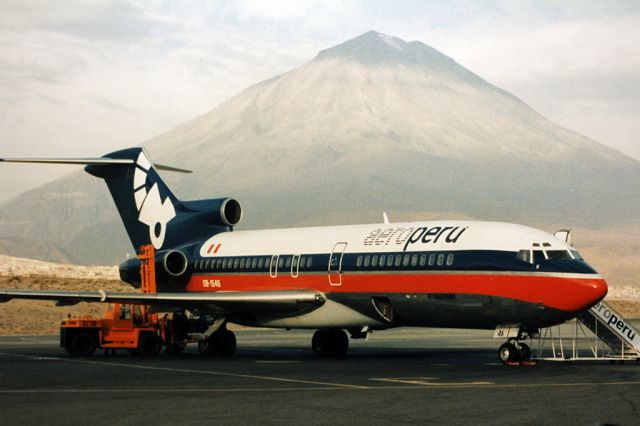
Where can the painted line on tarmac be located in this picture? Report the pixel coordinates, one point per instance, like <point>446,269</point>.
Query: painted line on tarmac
<point>190,371</point>
<point>417,382</point>
<point>427,381</point>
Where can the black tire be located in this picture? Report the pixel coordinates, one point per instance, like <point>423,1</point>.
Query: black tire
<point>175,348</point>
<point>525,352</point>
<point>339,342</point>
<point>225,343</point>
<point>330,343</point>
<point>208,347</point>
<point>508,353</point>
<point>321,343</point>
<point>149,345</point>
<point>83,344</point>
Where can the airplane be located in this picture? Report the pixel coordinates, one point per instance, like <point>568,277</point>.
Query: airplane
<point>453,273</point>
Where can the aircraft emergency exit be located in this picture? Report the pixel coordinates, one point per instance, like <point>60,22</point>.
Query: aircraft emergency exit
<point>358,278</point>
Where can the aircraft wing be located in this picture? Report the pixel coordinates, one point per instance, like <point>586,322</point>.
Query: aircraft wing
<point>271,303</point>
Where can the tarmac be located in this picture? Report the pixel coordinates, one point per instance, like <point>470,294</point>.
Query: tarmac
<point>404,376</point>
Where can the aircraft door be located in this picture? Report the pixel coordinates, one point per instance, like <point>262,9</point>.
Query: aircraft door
<point>335,264</point>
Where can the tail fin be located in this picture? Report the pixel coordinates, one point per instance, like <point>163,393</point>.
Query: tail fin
<point>145,203</point>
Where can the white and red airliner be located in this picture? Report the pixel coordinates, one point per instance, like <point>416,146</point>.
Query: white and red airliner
<point>358,278</point>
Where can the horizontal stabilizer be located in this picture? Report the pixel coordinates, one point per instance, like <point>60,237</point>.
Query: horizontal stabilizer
<point>100,161</point>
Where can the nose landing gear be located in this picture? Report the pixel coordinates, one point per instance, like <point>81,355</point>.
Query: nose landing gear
<point>514,351</point>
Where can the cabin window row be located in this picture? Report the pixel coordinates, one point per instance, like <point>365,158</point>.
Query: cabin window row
<point>259,263</point>
<point>406,260</point>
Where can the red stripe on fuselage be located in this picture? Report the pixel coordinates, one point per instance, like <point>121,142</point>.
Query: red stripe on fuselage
<point>570,293</point>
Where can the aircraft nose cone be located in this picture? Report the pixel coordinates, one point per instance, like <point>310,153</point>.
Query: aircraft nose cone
<point>595,292</point>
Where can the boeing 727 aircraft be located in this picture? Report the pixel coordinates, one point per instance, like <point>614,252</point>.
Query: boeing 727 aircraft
<point>358,278</point>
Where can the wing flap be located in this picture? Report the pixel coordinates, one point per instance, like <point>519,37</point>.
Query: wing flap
<point>276,303</point>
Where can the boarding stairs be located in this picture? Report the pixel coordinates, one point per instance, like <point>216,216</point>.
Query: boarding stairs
<point>612,337</point>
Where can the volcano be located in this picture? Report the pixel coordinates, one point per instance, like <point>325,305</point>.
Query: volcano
<point>373,124</point>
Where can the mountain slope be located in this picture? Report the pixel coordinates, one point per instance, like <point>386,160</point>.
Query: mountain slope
<point>372,124</point>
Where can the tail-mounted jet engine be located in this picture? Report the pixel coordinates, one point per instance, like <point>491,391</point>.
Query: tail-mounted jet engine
<point>217,211</point>
<point>171,267</point>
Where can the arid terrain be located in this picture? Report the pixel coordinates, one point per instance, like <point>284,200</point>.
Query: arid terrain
<point>26,317</point>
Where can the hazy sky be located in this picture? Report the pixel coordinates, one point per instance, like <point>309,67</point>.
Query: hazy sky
<point>82,78</point>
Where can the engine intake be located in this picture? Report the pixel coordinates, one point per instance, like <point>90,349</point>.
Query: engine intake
<point>175,263</point>
<point>230,212</point>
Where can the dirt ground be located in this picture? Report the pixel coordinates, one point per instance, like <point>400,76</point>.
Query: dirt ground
<point>43,317</point>
<point>28,317</point>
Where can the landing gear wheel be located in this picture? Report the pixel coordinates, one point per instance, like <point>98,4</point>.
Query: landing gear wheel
<point>225,343</point>
<point>339,342</point>
<point>320,343</point>
<point>83,344</point>
<point>525,352</point>
<point>207,347</point>
<point>508,353</point>
<point>330,343</point>
<point>175,348</point>
<point>150,345</point>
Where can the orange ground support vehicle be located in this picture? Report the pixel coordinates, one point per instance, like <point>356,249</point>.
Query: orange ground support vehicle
<point>123,326</point>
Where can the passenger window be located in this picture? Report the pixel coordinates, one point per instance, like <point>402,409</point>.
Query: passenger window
<point>219,264</point>
<point>260,262</point>
<point>303,260</point>
<point>398,261</point>
<point>432,259</point>
<point>207,265</point>
<point>390,260</point>
<point>309,262</point>
<point>288,262</point>
<point>414,260</point>
<point>440,259</point>
<point>236,263</point>
<point>383,258</point>
<point>405,260</point>
<point>423,259</point>
<point>242,263</point>
<point>254,263</point>
<point>281,262</point>
<point>374,260</point>
<point>224,263</point>
<point>450,259</point>
<point>359,261</point>
<point>367,261</point>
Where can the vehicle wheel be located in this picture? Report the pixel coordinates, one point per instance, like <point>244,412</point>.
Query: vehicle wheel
<point>525,351</point>
<point>508,352</point>
<point>208,347</point>
<point>225,342</point>
<point>150,345</point>
<point>339,342</point>
<point>321,343</point>
<point>83,344</point>
<point>175,348</point>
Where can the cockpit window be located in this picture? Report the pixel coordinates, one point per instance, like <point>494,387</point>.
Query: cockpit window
<point>558,254</point>
<point>538,256</point>
<point>524,255</point>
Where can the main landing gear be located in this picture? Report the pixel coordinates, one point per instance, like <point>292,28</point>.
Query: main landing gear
<point>329,343</point>
<point>514,351</point>
<point>222,342</point>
